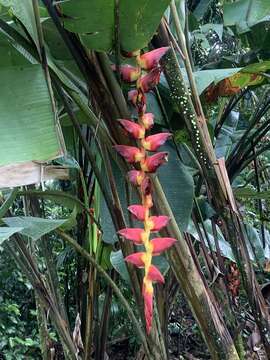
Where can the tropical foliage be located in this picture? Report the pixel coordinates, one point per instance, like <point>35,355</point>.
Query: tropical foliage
<point>104,252</point>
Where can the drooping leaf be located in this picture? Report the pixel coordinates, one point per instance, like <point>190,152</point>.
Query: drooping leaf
<point>12,56</point>
<point>248,76</point>
<point>204,78</point>
<point>27,124</point>
<point>8,202</point>
<point>225,138</point>
<point>33,227</point>
<point>6,232</point>
<point>255,244</point>
<point>201,8</point>
<point>225,247</point>
<point>94,21</point>
<point>178,186</point>
<point>117,261</point>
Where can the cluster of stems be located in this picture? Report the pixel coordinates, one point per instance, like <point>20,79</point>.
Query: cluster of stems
<point>146,73</point>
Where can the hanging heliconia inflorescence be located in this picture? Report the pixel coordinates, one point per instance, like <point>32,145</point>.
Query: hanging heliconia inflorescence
<point>145,164</point>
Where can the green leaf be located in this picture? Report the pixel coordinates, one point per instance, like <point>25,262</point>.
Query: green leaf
<point>218,28</point>
<point>154,108</point>
<point>257,67</point>
<point>255,244</point>
<point>204,78</point>
<point>201,8</point>
<point>225,247</point>
<point>225,140</point>
<point>33,227</point>
<point>27,128</point>
<point>12,56</point>
<point>23,10</point>
<point>94,21</point>
<point>178,186</point>
<point>106,256</point>
<point>251,194</point>
<point>246,13</point>
<point>117,261</point>
<point>6,232</point>
<point>8,202</point>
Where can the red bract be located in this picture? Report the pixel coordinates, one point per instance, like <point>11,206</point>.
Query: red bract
<point>136,259</point>
<point>132,96</point>
<point>128,73</point>
<point>136,177</point>
<point>146,187</point>
<point>149,81</point>
<point>153,142</point>
<point>138,99</point>
<point>130,153</point>
<point>138,211</point>
<point>150,60</point>
<point>155,275</point>
<point>136,130</point>
<point>147,120</point>
<point>134,234</point>
<point>147,292</point>
<point>161,244</point>
<point>156,223</point>
<point>151,163</point>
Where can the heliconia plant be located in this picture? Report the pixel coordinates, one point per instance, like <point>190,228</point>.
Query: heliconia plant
<point>145,164</point>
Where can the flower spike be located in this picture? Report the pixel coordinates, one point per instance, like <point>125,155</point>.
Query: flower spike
<point>139,177</point>
<point>150,60</point>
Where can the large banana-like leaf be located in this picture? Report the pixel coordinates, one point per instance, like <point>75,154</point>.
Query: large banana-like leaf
<point>27,124</point>
<point>94,21</point>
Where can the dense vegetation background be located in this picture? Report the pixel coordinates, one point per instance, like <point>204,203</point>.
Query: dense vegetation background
<point>65,289</point>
